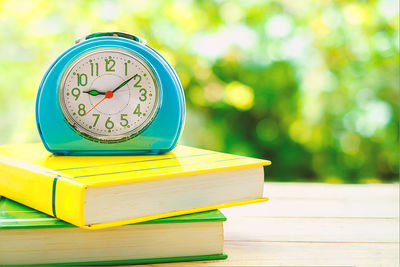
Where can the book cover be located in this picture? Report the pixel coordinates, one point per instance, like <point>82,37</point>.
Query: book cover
<point>56,184</point>
<point>17,216</point>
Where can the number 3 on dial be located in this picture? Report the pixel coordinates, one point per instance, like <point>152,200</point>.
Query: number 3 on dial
<point>143,96</point>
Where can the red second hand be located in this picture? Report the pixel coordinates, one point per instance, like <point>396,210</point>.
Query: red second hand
<point>109,94</point>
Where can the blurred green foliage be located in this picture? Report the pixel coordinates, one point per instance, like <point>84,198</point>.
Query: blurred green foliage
<point>311,85</point>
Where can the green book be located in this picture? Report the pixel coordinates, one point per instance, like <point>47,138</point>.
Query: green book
<point>29,237</point>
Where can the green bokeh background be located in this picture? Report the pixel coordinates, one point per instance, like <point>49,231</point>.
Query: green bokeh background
<point>311,85</point>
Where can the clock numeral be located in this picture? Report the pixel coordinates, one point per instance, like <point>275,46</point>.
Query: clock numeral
<point>76,92</point>
<point>81,109</point>
<point>109,124</point>
<point>82,79</point>
<point>143,96</point>
<point>139,79</point>
<point>110,63</point>
<point>126,68</point>
<point>94,67</point>
<point>97,119</point>
<point>137,110</point>
<point>124,120</point>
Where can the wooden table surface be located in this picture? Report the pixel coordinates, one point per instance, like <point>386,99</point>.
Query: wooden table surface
<point>307,224</point>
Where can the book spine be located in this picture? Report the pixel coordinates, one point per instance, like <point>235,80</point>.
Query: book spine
<point>47,192</point>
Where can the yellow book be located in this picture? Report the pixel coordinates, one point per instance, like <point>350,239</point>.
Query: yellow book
<point>103,191</point>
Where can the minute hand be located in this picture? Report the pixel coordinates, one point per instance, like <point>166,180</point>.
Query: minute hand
<point>124,83</point>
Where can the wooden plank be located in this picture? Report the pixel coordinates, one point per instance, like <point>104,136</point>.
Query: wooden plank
<point>311,229</point>
<point>304,254</point>
<point>317,208</point>
<point>332,191</point>
<point>324,200</point>
<point>314,225</point>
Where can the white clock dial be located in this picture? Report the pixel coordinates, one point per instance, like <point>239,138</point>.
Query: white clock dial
<point>109,95</point>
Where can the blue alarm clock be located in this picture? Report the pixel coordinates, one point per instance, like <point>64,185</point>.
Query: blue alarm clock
<point>110,93</point>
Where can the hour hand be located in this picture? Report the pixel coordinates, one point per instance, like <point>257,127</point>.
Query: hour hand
<point>94,92</point>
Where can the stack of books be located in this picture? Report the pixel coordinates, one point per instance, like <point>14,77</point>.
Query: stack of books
<point>101,210</point>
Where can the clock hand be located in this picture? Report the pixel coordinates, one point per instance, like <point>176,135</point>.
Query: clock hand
<point>122,84</point>
<point>94,92</point>
<point>108,94</point>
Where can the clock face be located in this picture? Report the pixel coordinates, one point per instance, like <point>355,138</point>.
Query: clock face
<point>109,95</point>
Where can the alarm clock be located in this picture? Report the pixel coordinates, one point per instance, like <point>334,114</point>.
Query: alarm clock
<point>110,93</point>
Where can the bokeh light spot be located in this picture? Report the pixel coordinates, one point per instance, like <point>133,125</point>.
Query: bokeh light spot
<point>239,95</point>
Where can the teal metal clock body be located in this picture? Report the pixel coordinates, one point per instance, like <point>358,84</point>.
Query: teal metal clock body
<point>110,94</point>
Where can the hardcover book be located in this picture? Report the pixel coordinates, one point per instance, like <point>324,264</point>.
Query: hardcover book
<point>103,191</point>
<point>31,237</point>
